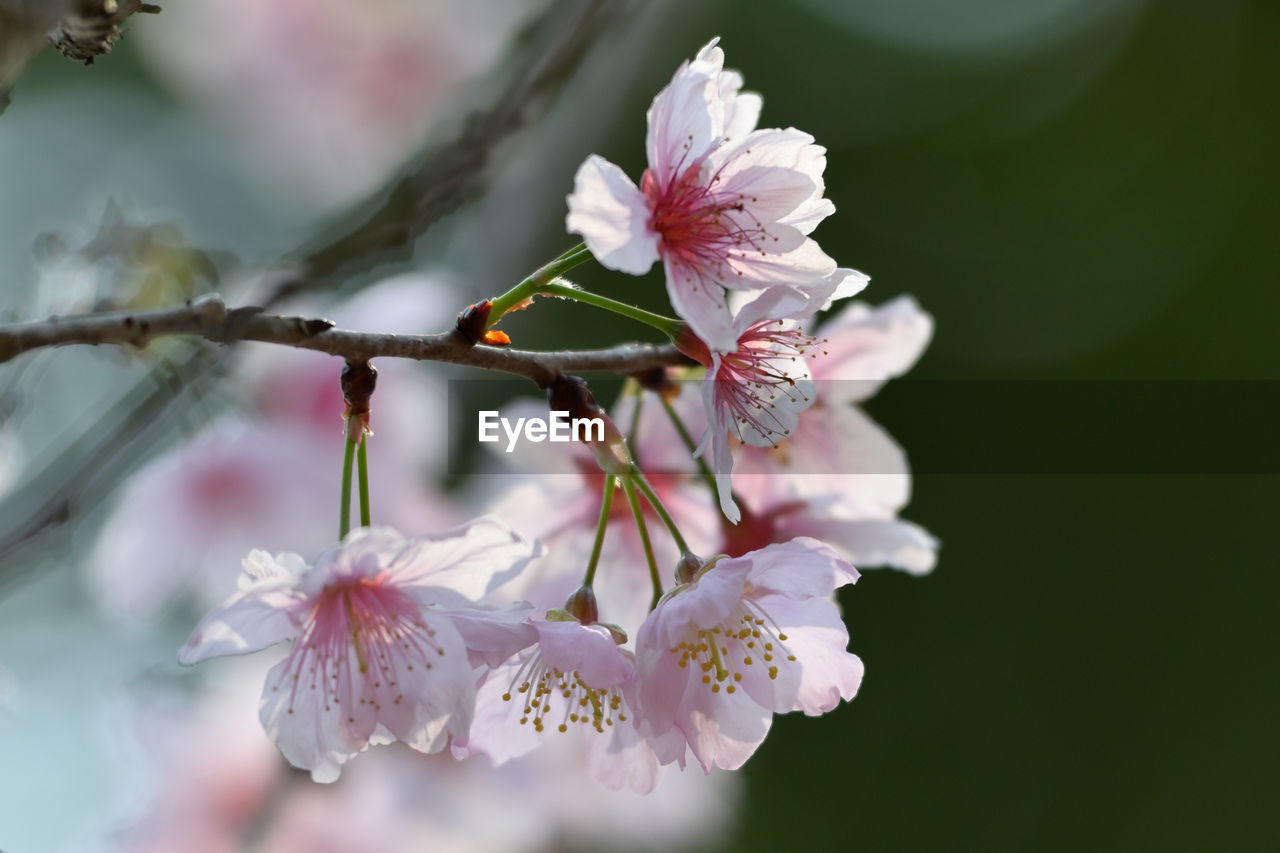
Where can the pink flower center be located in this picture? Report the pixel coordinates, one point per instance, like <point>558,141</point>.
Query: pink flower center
<point>584,705</point>
<point>758,375</point>
<point>747,639</point>
<point>361,633</point>
<point>699,224</point>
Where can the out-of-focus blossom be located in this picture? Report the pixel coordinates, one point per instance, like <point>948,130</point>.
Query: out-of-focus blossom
<point>746,638</point>
<point>386,636</point>
<point>722,203</point>
<point>325,98</point>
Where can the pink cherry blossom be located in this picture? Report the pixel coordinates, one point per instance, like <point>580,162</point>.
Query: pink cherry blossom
<point>756,390</point>
<point>576,679</point>
<point>722,203</point>
<point>839,477</point>
<point>386,635</point>
<point>748,637</point>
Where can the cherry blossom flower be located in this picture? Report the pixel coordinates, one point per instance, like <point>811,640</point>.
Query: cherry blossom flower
<point>386,635</point>
<point>839,477</point>
<point>746,638</point>
<point>576,678</point>
<point>722,203</point>
<point>756,390</point>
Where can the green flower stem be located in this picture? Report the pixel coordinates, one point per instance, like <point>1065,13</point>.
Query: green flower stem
<point>539,279</point>
<point>344,515</point>
<point>703,468</point>
<point>666,325</point>
<point>629,488</point>
<point>606,504</point>
<point>652,497</point>
<point>362,460</point>
<point>633,431</point>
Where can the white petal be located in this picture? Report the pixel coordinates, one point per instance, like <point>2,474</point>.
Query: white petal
<point>463,564</point>
<point>804,265</point>
<point>260,615</point>
<point>612,215</point>
<point>687,117</point>
<point>896,544</point>
<point>845,283</point>
<point>699,301</point>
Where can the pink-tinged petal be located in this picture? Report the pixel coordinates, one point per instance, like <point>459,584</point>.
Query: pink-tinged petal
<point>463,564</point>
<point>805,265</point>
<point>871,345</point>
<point>309,738</point>
<point>660,687</point>
<point>264,612</point>
<point>722,465</point>
<point>699,301</point>
<point>427,704</point>
<point>723,730</point>
<point>897,544</point>
<point>801,568</point>
<point>837,458</point>
<point>496,731</point>
<point>846,283</point>
<point>624,760</point>
<point>588,650</point>
<point>812,161</point>
<point>612,215</point>
<point>705,603</point>
<point>687,117</point>
<point>774,303</point>
<point>768,195</point>
<point>491,636</point>
<point>816,636</point>
<point>788,149</point>
<point>741,109</point>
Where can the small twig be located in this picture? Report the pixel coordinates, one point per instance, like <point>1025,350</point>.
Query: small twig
<point>209,318</point>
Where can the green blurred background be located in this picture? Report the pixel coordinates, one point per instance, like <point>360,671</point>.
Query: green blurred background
<point>1074,190</point>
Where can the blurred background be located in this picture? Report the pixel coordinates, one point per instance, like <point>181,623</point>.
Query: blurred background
<point>1075,190</point>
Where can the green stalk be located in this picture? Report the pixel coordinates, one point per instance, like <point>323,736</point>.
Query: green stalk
<point>363,464</point>
<point>652,497</point>
<point>344,515</point>
<point>629,488</point>
<point>666,325</point>
<point>540,277</point>
<point>606,504</point>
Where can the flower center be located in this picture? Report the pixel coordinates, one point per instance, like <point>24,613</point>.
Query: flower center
<point>748,639</point>
<point>361,636</point>
<point>583,704</point>
<point>700,224</point>
<point>762,374</point>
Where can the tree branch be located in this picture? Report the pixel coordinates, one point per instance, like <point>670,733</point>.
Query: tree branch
<point>208,317</point>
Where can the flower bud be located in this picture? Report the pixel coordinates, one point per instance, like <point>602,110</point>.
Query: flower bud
<point>582,606</point>
<point>688,567</point>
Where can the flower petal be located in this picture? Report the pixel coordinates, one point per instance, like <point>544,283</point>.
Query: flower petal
<point>261,614</point>
<point>463,564</point>
<point>612,215</point>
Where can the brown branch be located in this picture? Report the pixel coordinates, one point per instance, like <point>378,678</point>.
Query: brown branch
<point>208,317</point>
